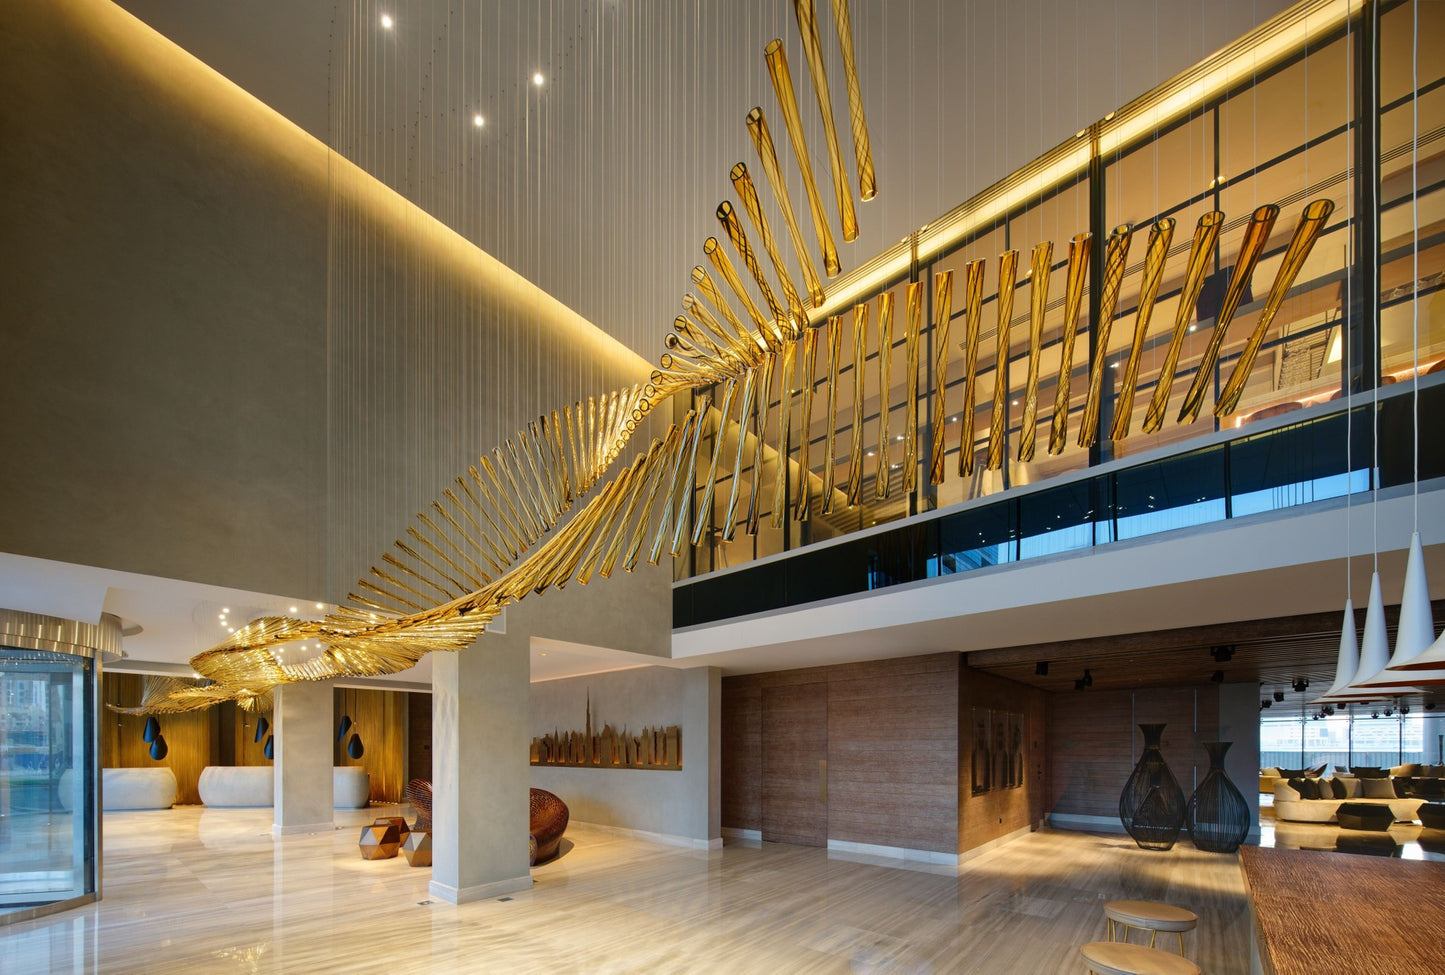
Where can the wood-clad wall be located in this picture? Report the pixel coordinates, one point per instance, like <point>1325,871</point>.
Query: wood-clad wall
<point>192,739</point>
<point>742,753</point>
<point>998,812</point>
<point>893,753</point>
<point>380,718</point>
<point>891,747</point>
<point>418,737</point>
<point>1094,742</point>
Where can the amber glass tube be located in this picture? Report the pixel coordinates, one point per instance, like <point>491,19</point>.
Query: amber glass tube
<point>1206,233</point>
<point>913,306</point>
<point>973,296</point>
<point>1256,235</point>
<point>746,353</point>
<point>728,217</point>
<point>670,447</point>
<point>1039,272</point>
<point>748,193</point>
<point>942,313</point>
<point>1161,235</point>
<point>724,267</point>
<point>785,420</point>
<point>793,122</point>
<point>768,155</point>
<point>813,51</point>
<point>1008,263</point>
<point>1079,249</point>
<point>862,149</point>
<point>1306,232</point>
<point>745,416</point>
<point>705,506</point>
<point>860,358</point>
<point>687,487</point>
<point>830,453</point>
<point>885,380</point>
<point>765,395</point>
<point>710,291</point>
<point>687,329</point>
<point>1116,254</point>
<point>670,482</point>
<point>809,363</point>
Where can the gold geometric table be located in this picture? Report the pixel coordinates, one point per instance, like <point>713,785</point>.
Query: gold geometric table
<point>379,841</point>
<point>1121,958</point>
<point>1150,916</point>
<point>417,848</point>
<point>400,823</point>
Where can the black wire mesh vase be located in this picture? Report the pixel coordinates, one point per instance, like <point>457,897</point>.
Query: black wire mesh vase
<point>1152,805</point>
<point>1219,816</point>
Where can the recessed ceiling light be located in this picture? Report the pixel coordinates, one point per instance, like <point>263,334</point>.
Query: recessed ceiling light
<point>222,617</point>
<point>320,605</point>
<point>387,22</point>
<point>230,629</point>
<point>537,78</point>
<point>478,121</point>
<point>292,609</point>
<point>541,653</point>
<point>225,609</point>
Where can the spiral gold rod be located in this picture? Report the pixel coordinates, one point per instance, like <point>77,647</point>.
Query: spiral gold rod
<point>1206,233</point>
<point>768,156</point>
<point>973,310</point>
<point>1008,263</point>
<point>1306,232</point>
<point>1116,254</point>
<point>830,449</point>
<point>1079,249</point>
<point>813,52</point>
<point>748,193</point>
<point>1161,234</point>
<point>793,122</point>
<point>942,315</point>
<point>862,148</point>
<point>1039,272</point>
<point>1256,235</point>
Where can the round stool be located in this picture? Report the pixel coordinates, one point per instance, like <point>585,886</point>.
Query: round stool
<point>1119,958</point>
<point>1149,916</point>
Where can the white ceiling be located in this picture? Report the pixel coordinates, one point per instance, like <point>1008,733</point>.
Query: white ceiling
<point>601,185</point>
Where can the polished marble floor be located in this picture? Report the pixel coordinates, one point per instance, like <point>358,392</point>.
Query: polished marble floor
<point>205,890</point>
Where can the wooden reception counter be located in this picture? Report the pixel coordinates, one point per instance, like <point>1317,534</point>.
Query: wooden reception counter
<point>1343,912</point>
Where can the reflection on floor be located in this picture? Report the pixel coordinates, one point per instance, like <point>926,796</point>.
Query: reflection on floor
<point>193,889</point>
<point>1408,841</point>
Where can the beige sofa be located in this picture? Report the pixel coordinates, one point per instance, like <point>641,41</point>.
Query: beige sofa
<point>1290,807</point>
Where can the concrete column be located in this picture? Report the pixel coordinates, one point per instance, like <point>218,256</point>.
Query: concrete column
<point>1239,723</point>
<point>303,742</point>
<point>703,697</point>
<point>480,772</point>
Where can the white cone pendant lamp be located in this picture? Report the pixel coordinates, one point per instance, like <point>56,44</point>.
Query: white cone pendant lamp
<point>1427,665</point>
<point>1374,650</point>
<point>1416,629</point>
<point>1349,659</point>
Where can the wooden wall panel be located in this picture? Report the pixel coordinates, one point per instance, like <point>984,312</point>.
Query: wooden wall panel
<point>189,737</point>
<point>794,748</point>
<point>742,747</point>
<point>418,737</point>
<point>1093,742</point>
<point>380,718</point>
<point>893,752</point>
<point>990,815</point>
<point>245,749</point>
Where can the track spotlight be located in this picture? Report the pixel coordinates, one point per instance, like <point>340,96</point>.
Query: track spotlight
<point>1300,684</point>
<point>1088,678</point>
<point>1217,677</point>
<point>1279,695</point>
<point>1041,669</point>
<point>1264,703</point>
<point>1222,654</point>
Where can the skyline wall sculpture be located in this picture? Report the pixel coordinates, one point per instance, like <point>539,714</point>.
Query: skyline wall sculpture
<point>501,531</point>
<point>653,748</point>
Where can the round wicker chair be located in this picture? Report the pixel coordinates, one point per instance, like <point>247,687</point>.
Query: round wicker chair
<point>549,817</point>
